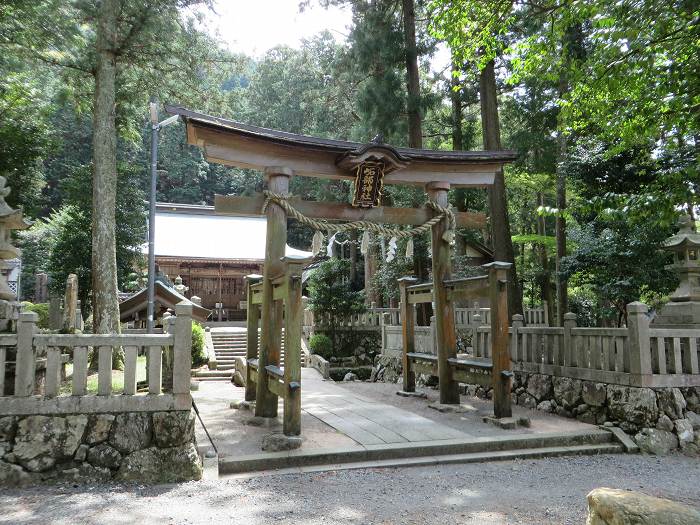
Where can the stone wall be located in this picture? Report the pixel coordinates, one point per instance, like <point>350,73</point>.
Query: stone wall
<point>146,447</point>
<point>361,345</point>
<point>660,420</point>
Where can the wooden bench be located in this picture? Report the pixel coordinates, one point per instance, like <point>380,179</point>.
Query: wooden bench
<point>473,371</point>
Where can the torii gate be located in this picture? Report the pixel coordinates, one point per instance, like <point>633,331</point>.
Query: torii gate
<point>281,155</point>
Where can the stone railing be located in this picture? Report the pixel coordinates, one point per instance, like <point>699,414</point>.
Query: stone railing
<point>638,355</point>
<point>32,367</point>
<point>375,318</point>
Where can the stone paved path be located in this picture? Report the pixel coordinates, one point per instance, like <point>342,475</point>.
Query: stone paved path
<point>364,420</point>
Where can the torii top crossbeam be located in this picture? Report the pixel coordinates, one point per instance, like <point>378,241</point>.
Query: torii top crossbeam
<point>235,144</point>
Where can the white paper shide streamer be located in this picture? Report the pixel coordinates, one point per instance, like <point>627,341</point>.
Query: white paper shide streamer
<point>391,250</point>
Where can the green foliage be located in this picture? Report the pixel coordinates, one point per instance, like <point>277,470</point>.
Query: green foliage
<point>61,244</point>
<point>619,261</point>
<point>322,345</point>
<point>331,293</point>
<point>199,357</point>
<point>41,309</point>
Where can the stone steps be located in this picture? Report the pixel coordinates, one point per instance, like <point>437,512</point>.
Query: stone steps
<point>429,453</point>
<point>227,347</point>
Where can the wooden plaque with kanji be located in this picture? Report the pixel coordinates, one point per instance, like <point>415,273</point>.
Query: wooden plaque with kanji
<point>369,180</point>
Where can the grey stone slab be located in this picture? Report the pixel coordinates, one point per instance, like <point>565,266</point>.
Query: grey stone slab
<point>348,428</point>
<point>385,434</point>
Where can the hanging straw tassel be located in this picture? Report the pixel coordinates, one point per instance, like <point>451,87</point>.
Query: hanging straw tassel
<point>364,245</point>
<point>329,248</point>
<point>409,248</point>
<point>316,243</point>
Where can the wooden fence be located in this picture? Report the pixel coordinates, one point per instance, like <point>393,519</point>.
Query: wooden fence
<point>638,355</point>
<point>34,363</point>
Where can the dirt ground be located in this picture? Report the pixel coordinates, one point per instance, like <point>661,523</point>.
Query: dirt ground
<point>546,491</point>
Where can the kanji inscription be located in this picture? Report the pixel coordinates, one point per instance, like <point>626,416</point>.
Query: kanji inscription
<point>369,180</point>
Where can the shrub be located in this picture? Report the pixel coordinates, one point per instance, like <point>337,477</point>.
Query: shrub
<point>199,357</point>
<point>41,309</point>
<point>331,294</point>
<point>322,345</point>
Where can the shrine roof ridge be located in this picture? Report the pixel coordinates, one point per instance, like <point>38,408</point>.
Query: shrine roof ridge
<point>334,145</point>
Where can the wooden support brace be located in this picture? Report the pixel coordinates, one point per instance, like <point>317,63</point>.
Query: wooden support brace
<point>252,327</point>
<point>408,332</point>
<point>500,354</point>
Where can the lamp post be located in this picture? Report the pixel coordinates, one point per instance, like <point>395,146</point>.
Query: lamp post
<point>155,130</point>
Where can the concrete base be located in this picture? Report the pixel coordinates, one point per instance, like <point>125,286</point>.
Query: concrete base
<point>242,405</point>
<point>507,423</point>
<point>256,421</point>
<point>454,409</point>
<point>685,315</point>
<point>403,393</point>
<point>276,442</point>
<point>425,453</point>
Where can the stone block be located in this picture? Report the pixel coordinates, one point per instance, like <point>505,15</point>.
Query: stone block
<point>172,429</point>
<point>634,407</point>
<point>540,387</point>
<point>42,440</point>
<point>527,400</point>
<point>277,442</point>
<point>104,456</point>
<point>655,441</point>
<point>621,507</point>
<point>86,473</point>
<point>98,429</point>
<point>664,423</point>
<point>162,465</point>
<point>453,409</point>
<point>594,394</point>
<point>130,432</point>
<point>694,419</point>
<point>671,402</point>
<point>545,406</point>
<point>13,475</point>
<point>567,391</point>
<point>8,427</point>
<point>684,431</point>
<point>81,453</point>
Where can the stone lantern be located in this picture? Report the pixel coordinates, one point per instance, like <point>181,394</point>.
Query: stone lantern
<point>179,287</point>
<point>684,306</point>
<point>9,220</point>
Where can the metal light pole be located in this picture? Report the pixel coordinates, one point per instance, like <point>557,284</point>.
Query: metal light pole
<point>155,130</point>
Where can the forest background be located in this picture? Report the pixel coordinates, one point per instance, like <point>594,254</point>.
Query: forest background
<point>600,99</point>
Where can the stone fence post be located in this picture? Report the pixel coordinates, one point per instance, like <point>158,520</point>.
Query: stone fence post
<point>516,324</point>
<point>25,361</point>
<point>639,340</point>
<point>385,321</point>
<point>182,348</point>
<point>570,356</point>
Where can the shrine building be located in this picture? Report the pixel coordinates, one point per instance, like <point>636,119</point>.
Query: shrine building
<point>211,253</point>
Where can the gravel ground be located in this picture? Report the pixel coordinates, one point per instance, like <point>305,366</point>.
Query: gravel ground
<point>547,491</point>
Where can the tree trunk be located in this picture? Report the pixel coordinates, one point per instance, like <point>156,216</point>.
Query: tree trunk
<point>104,193</point>
<point>415,131</point>
<point>500,224</point>
<point>560,232</point>
<point>456,98</point>
<point>545,284</point>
